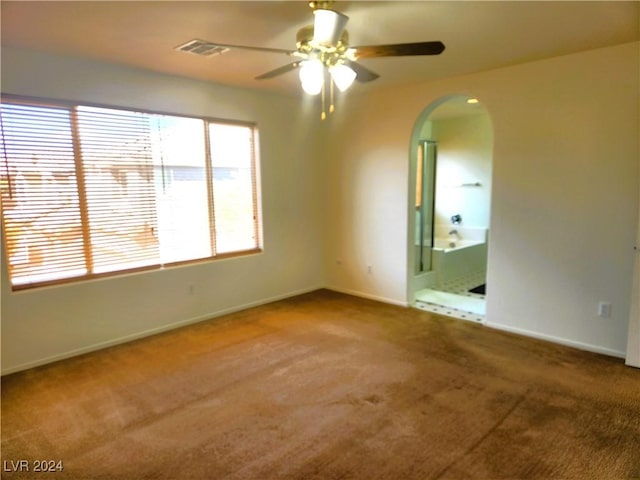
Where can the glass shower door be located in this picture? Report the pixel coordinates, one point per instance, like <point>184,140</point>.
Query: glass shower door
<point>425,189</point>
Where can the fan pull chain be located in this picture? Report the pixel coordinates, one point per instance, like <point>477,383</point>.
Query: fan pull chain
<point>331,107</point>
<point>323,115</point>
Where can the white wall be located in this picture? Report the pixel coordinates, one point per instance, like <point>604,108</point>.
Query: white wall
<point>49,323</point>
<point>465,150</point>
<point>564,203</point>
<point>633,339</point>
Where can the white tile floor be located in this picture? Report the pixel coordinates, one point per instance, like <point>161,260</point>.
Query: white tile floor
<point>454,299</point>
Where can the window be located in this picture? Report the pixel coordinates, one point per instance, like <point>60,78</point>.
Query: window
<point>89,190</point>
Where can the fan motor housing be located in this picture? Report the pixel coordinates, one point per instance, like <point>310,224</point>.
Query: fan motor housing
<point>304,39</point>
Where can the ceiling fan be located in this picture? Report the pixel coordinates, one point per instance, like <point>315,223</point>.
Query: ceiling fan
<point>322,49</point>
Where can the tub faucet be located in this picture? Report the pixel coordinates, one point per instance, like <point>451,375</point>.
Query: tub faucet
<point>453,232</point>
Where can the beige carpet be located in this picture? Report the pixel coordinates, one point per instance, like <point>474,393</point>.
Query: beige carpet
<point>327,386</point>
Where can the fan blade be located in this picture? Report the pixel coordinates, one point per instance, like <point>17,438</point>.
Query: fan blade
<point>328,26</point>
<point>279,71</point>
<point>399,49</point>
<point>362,74</point>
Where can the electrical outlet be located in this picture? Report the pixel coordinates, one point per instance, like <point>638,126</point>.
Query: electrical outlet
<point>604,309</point>
<point>369,269</point>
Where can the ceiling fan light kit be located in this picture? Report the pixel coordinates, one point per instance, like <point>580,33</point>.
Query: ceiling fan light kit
<point>311,76</point>
<point>323,52</point>
<point>342,75</point>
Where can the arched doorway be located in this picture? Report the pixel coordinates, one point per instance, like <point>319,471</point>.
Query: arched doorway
<point>449,208</point>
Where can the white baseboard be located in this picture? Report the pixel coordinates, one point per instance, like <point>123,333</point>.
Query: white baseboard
<point>559,340</point>
<point>356,293</point>
<point>153,331</point>
<point>263,301</point>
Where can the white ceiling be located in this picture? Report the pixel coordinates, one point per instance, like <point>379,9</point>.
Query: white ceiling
<point>478,35</point>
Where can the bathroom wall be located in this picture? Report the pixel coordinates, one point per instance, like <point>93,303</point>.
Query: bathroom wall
<point>465,150</point>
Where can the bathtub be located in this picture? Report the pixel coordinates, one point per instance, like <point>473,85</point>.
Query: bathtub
<point>447,245</point>
<point>455,257</point>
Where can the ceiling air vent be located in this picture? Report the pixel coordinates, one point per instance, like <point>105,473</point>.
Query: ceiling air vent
<point>202,48</point>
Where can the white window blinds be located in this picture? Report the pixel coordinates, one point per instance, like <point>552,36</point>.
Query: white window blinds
<point>233,186</point>
<point>87,190</point>
<point>117,171</point>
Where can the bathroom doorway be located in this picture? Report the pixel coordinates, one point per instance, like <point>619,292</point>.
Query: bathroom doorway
<point>449,210</point>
